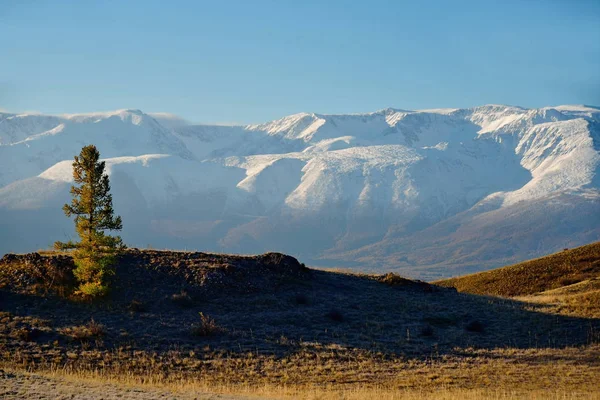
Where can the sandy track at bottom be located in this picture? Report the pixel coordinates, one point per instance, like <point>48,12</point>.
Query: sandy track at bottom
<point>21,385</point>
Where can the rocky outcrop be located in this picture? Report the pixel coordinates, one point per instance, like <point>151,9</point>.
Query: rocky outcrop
<point>35,272</point>
<point>396,280</point>
<point>215,271</point>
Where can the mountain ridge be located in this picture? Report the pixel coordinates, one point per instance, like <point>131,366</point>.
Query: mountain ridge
<point>345,189</point>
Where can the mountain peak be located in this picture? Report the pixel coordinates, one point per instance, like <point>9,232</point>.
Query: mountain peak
<point>390,188</point>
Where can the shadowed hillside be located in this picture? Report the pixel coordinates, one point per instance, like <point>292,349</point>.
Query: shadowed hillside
<point>260,320</point>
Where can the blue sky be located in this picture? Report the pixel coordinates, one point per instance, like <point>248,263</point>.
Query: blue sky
<point>252,61</point>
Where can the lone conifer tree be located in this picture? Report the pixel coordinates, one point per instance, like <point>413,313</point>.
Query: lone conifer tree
<point>94,254</point>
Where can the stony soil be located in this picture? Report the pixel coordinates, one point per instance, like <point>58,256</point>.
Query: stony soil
<point>19,385</point>
<point>267,319</point>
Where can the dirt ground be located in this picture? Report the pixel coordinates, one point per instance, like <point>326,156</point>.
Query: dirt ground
<point>198,323</point>
<point>22,385</point>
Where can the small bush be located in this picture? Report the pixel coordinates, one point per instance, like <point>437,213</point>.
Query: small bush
<point>96,329</point>
<point>182,299</point>
<point>335,315</point>
<point>206,327</point>
<point>91,330</point>
<point>474,326</point>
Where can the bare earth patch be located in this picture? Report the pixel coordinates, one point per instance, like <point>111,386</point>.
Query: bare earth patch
<point>22,385</point>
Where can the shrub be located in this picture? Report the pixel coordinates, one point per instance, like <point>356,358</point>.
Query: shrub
<point>182,299</point>
<point>91,330</point>
<point>206,327</point>
<point>95,329</point>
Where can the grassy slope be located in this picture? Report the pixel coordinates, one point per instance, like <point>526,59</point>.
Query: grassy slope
<point>286,328</point>
<point>534,276</point>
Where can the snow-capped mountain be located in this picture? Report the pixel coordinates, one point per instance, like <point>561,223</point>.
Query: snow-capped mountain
<point>430,192</point>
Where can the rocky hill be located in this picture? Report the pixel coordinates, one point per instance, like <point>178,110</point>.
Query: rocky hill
<point>271,294</point>
<point>180,315</point>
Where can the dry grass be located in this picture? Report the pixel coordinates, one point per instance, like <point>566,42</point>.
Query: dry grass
<point>495,374</point>
<point>89,331</point>
<point>589,285</point>
<point>95,386</point>
<point>206,327</point>
<point>314,334</point>
<point>546,273</point>
<point>586,304</point>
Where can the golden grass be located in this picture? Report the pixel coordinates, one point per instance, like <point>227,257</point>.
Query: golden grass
<point>331,373</point>
<point>327,370</point>
<point>546,273</point>
<point>484,374</point>
<point>358,393</point>
<point>565,302</point>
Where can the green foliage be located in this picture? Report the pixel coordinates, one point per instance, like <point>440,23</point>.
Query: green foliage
<point>95,253</point>
<point>93,289</point>
<point>93,267</point>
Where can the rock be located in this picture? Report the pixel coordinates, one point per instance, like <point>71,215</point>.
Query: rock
<point>26,270</point>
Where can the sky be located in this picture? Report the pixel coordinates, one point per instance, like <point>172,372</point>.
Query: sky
<point>254,61</point>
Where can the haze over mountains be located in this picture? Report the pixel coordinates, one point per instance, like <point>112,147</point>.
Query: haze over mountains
<point>430,193</point>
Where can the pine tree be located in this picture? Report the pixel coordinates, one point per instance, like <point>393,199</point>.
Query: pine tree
<point>92,207</point>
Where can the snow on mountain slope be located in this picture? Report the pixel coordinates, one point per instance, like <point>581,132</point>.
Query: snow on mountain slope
<point>16,127</point>
<point>170,121</point>
<point>158,178</point>
<point>559,155</point>
<point>120,133</point>
<point>379,188</point>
